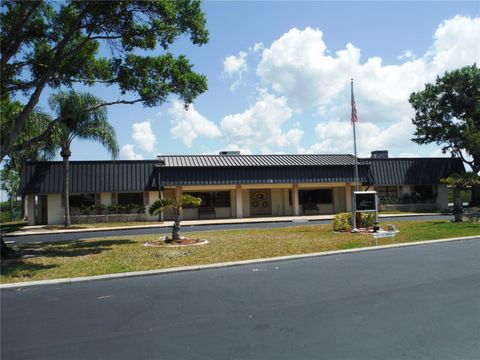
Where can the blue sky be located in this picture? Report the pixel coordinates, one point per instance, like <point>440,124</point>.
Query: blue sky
<point>278,76</point>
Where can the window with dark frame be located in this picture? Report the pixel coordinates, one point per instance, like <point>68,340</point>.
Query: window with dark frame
<point>317,196</point>
<point>130,198</point>
<point>213,198</point>
<point>387,191</point>
<point>79,200</point>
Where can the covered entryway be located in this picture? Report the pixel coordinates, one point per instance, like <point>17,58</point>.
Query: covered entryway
<point>260,202</point>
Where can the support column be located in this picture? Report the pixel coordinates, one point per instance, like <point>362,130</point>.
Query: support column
<point>239,201</point>
<point>31,209</point>
<point>348,198</point>
<point>295,202</point>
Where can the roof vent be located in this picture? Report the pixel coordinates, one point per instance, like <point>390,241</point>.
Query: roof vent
<point>379,154</point>
<point>225,153</point>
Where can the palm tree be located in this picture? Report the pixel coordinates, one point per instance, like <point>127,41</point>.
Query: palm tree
<point>79,122</point>
<point>161,205</point>
<point>458,183</point>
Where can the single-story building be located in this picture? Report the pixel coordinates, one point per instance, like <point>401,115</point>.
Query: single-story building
<point>231,185</point>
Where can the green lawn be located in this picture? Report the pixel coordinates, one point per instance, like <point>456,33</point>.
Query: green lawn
<point>127,253</point>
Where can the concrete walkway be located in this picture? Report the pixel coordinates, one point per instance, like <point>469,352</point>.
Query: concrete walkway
<point>41,230</point>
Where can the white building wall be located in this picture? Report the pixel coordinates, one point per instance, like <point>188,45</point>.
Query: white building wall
<point>286,202</point>
<point>106,198</point>
<point>152,196</point>
<point>277,202</point>
<point>340,203</point>
<point>233,203</point>
<point>55,213</point>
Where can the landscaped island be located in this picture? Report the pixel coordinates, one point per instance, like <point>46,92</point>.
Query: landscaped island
<point>127,253</point>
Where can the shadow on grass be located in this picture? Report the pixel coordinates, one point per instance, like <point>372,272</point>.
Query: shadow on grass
<point>70,249</point>
<point>11,227</point>
<point>20,269</point>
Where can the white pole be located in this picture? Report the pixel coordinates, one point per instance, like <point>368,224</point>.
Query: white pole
<point>355,144</point>
<point>354,202</point>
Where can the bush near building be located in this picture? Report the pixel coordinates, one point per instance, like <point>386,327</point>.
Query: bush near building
<point>343,221</point>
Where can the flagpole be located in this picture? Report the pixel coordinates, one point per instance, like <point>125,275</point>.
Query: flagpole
<point>354,142</point>
<point>354,120</point>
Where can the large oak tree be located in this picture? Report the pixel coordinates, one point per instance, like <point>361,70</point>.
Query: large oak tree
<point>50,44</point>
<point>448,113</point>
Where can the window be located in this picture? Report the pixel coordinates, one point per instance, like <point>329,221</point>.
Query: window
<point>424,193</point>
<point>79,200</point>
<point>319,196</point>
<point>130,198</point>
<point>387,191</point>
<point>213,198</point>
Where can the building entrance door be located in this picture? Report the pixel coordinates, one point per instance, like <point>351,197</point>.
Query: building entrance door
<point>260,202</point>
<point>42,210</point>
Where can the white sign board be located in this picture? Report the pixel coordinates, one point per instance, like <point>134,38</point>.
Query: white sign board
<point>383,234</point>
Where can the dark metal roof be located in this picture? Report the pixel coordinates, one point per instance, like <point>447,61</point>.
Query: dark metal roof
<point>255,160</point>
<point>145,175</point>
<point>259,175</point>
<point>412,171</point>
<point>89,176</point>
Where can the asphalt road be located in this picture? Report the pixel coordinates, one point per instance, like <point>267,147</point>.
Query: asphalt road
<point>147,231</point>
<point>420,302</point>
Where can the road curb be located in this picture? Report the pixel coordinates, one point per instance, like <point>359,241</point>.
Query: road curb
<point>224,264</point>
<point>197,223</point>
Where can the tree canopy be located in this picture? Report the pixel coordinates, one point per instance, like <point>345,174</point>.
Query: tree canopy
<point>448,113</point>
<point>49,44</point>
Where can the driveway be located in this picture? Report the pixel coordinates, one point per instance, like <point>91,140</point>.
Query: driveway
<point>419,302</point>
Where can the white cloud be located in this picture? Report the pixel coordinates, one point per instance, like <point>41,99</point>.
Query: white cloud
<point>189,124</point>
<point>128,152</point>
<point>336,136</point>
<point>261,125</point>
<point>235,64</point>
<point>143,136</point>
<point>407,54</point>
<point>257,47</point>
<point>299,66</point>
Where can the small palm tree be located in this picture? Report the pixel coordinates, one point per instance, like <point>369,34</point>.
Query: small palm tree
<point>161,205</point>
<point>458,183</point>
<point>79,122</point>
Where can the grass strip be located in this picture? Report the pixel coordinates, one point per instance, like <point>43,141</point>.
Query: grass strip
<point>127,253</point>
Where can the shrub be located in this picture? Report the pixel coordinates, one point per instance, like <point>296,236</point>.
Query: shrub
<point>343,221</point>
<point>368,219</point>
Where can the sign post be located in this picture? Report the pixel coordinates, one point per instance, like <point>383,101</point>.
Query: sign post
<point>364,201</point>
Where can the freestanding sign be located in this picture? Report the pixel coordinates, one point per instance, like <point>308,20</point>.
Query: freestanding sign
<point>364,201</point>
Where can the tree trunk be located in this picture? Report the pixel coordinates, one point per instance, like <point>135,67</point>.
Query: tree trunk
<point>5,252</point>
<point>177,218</point>
<point>475,198</point>
<point>66,155</point>
<point>457,205</point>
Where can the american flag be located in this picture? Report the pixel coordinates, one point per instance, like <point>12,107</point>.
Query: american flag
<point>354,109</point>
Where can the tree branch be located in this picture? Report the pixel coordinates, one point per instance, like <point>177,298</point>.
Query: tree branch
<point>45,134</point>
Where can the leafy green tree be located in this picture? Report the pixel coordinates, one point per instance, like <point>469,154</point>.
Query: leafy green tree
<point>177,205</point>
<point>50,44</point>
<point>459,183</point>
<point>448,113</point>
<point>83,124</point>
<point>9,182</point>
